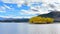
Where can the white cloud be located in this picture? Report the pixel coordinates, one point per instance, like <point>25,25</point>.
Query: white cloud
<point>46,4</point>
<point>40,10</point>
<point>18,2</point>
<point>7,16</point>
<point>15,16</point>
<point>29,1</point>
<point>9,1</point>
<point>13,1</point>
<point>50,1</point>
<point>28,12</point>
<point>7,6</point>
<point>31,12</point>
<point>2,9</point>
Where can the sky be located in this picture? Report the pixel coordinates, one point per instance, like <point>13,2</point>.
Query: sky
<point>25,8</point>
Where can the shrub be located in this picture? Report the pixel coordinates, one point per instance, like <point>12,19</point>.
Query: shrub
<point>41,20</point>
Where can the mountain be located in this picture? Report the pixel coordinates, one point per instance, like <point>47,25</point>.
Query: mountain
<point>13,20</point>
<point>2,18</point>
<point>54,14</point>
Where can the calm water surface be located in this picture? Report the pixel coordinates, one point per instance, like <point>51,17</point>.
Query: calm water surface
<point>26,28</point>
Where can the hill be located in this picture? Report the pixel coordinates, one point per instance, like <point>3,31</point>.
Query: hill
<point>53,14</point>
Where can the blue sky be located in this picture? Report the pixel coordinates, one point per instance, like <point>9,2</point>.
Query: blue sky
<point>10,9</point>
<point>13,8</point>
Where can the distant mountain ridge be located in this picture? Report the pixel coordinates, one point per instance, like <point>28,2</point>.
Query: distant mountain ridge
<point>54,14</point>
<point>13,20</point>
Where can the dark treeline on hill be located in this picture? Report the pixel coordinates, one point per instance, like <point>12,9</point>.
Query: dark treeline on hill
<point>15,20</point>
<point>53,14</point>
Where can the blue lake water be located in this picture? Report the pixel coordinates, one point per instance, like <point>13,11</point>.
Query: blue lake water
<point>13,28</point>
<point>26,28</point>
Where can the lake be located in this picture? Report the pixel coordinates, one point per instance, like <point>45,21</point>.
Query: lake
<point>26,28</point>
<point>13,28</point>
